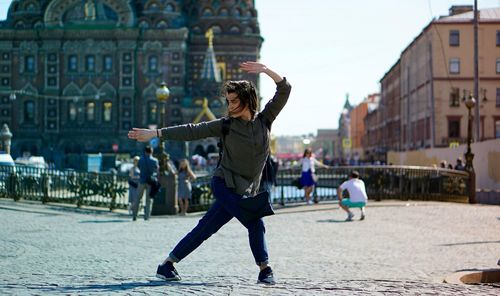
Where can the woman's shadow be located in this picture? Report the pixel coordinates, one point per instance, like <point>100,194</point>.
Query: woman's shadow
<point>121,286</point>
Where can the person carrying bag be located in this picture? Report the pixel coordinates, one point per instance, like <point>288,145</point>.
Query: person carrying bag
<point>245,150</point>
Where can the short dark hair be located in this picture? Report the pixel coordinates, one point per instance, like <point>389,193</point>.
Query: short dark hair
<point>245,90</point>
<point>355,174</point>
<point>148,150</point>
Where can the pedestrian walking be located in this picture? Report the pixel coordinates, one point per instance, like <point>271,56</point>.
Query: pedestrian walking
<point>245,149</point>
<point>185,176</point>
<point>133,183</point>
<point>357,195</point>
<point>308,177</point>
<point>149,170</point>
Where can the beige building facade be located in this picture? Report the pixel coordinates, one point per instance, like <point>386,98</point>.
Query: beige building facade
<point>431,79</point>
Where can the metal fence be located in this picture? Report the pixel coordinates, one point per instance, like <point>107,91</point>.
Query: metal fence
<point>111,191</point>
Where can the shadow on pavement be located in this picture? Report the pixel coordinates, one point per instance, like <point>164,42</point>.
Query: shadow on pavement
<point>470,243</point>
<point>28,211</point>
<point>104,221</point>
<point>333,221</point>
<point>122,286</point>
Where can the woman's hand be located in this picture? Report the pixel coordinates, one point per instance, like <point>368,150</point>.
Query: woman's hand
<point>253,67</point>
<point>141,134</point>
<point>256,68</point>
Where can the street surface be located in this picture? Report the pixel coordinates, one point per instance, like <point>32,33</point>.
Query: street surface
<point>402,248</point>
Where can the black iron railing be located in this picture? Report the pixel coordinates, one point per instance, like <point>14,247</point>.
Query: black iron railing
<point>111,191</point>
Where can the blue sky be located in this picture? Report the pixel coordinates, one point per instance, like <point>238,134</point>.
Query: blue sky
<point>329,48</point>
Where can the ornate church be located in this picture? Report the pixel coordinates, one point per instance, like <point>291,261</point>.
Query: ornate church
<point>77,75</point>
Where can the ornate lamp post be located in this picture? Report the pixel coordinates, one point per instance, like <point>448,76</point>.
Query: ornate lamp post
<point>469,156</point>
<point>162,94</point>
<point>166,202</point>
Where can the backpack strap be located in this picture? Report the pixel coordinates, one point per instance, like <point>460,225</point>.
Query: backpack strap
<point>225,128</point>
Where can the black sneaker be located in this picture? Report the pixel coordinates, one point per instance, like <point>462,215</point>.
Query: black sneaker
<point>266,276</point>
<point>167,272</point>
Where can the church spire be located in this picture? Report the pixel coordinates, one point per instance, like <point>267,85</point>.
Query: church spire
<point>210,71</point>
<point>347,105</point>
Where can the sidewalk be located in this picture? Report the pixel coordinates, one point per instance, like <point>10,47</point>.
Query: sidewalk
<point>402,248</point>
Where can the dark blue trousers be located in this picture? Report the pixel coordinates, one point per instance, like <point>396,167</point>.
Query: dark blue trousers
<point>222,211</point>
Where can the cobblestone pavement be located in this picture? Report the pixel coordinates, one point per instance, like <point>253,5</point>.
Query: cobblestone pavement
<point>400,249</point>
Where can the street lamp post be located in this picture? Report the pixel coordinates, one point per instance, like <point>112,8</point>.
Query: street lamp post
<point>166,201</point>
<point>469,156</point>
<point>162,94</point>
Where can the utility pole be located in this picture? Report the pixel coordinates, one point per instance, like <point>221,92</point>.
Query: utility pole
<point>476,73</point>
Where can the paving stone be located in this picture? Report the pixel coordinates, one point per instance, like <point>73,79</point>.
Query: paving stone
<point>402,248</point>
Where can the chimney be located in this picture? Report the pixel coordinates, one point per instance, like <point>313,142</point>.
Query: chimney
<point>458,9</point>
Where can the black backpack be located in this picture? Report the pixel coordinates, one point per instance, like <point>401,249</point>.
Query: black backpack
<point>269,171</point>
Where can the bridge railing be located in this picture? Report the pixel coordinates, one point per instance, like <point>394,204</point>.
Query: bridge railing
<point>111,191</point>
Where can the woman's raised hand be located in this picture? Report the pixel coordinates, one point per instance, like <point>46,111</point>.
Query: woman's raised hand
<point>141,134</point>
<point>253,67</point>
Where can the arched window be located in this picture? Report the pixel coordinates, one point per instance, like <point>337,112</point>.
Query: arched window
<point>223,12</point>
<point>248,13</point>
<point>107,111</point>
<point>31,7</point>
<point>152,112</point>
<point>153,6</point>
<point>89,111</point>
<point>207,12</point>
<point>234,30</point>
<point>162,24</point>
<point>237,12</point>
<point>249,30</point>
<point>196,30</point>
<point>216,29</point>
<point>153,64</point>
<point>19,25</point>
<point>143,24</point>
<point>169,7</point>
<point>29,111</point>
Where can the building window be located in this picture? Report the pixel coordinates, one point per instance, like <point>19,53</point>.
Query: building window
<point>72,111</point>
<point>498,98</point>
<point>498,38</point>
<point>90,63</point>
<point>127,57</point>
<point>107,63</point>
<point>454,66</point>
<point>5,56</point>
<point>498,66</point>
<point>5,69</point>
<point>454,127</point>
<point>127,69</point>
<point>29,111</point>
<point>90,111</point>
<point>152,112</point>
<point>107,111</point>
<point>169,8</point>
<point>52,69</point>
<point>455,97</point>
<point>5,81</point>
<point>51,81</point>
<point>72,63</point>
<point>127,81</point>
<point>454,38</point>
<point>29,64</point>
<point>52,57</point>
<point>153,64</point>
